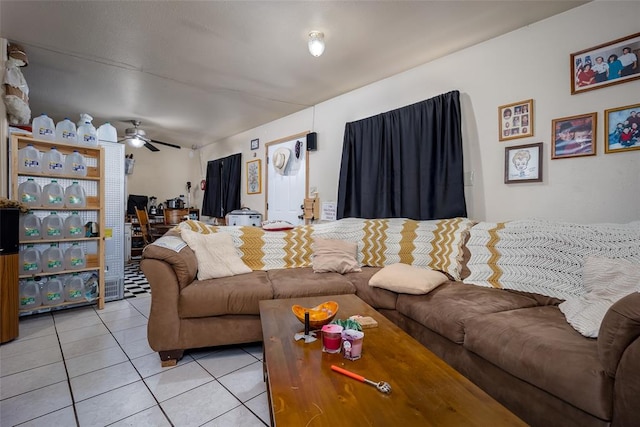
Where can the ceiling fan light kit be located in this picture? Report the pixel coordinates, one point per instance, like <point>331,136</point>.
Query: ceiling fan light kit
<point>137,138</point>
<point>316,43</point>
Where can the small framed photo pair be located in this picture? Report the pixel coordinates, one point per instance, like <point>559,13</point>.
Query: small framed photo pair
<point>515,120</point>
<point>607,64</point>
<point>622,129</point>
<point>574,136</point>
<point>523,163</point>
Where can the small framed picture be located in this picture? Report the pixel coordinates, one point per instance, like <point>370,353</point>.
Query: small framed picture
<point>607,64</point>
<point>574,136</point>
<point>523,163</point>
<point>254,177</point>
<point>622,129</point>
<point>515,120</point>
<point>255,144</point>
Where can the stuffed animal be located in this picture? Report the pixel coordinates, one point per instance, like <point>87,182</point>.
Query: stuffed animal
<point>16,90</point>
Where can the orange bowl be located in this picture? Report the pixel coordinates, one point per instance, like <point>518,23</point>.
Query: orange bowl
<point>319,315</point>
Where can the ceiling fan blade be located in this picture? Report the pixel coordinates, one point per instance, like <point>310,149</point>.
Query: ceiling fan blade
<point>167,144</point>
<point>151,146</point>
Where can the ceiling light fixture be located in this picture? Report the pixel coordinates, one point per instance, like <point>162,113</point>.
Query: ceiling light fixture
<point>316,43</point>
<point>135,142</point>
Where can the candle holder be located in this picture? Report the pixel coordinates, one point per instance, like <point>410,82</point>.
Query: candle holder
<point>331,338</point>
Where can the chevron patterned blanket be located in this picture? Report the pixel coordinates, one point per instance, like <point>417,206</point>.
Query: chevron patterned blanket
<point>545,257</point>
<point>435,244</point>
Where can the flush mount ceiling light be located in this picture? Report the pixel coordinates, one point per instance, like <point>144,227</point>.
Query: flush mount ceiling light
<point>316,43</point>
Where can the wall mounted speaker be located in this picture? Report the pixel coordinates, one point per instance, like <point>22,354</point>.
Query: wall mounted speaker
<point>9,223</point>
<point>312,141</point>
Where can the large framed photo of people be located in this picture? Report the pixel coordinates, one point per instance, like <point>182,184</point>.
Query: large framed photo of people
<point>606,64</point>
<point>622,129</point>
<point>515,120</point>
<point>574,136</point>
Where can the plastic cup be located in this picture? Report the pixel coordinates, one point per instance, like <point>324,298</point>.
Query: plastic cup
<point>331,338</point>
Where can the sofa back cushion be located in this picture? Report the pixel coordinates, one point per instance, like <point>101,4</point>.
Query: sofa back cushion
<point>435,244</point>
<point>545,257</point>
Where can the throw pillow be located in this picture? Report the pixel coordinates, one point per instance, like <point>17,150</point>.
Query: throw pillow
<point>407,279</point>
<point>606,281</point>
<point>337,256</point>
<point>216,255</point>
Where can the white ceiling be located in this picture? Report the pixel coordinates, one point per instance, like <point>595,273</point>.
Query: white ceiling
<point>197,72</point>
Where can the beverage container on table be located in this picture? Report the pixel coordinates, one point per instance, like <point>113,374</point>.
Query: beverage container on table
<point>74,164</point>
<point>74,258</point>
<point>52,227</point>
<point>74,288</point>
<point>42,127</point>
<point>53,162</point>
<point>30,262</point>
<point>66,131</point>
<point>107,133</point>
<point>52,259</point>
<point>52,291</point>
<point>53,195</point>
<point>29,159</point>
<point>30,227</point>
<point>29,193</point>
<point>29,294</point>
<point>87,134</point>
<point>74,196</point>
<point>73,226</point>
<point>331,338</point>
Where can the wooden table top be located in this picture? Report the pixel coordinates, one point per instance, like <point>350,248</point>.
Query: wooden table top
<point>425,390</point>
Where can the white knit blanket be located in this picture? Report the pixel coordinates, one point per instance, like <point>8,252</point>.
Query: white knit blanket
<point>545,257</point>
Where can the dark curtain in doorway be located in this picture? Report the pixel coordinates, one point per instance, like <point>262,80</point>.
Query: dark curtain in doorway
<point>405,163</point>
<point>222,194</point>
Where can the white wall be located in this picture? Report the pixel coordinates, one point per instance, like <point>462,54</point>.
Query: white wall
<point>532,62</point>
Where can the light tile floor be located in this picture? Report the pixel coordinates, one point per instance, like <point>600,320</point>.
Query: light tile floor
<point>89,367</point>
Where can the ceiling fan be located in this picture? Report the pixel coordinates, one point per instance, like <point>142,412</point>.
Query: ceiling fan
<point>137,137</point>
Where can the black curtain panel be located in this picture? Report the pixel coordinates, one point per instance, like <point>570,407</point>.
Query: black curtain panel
<point>405,163</point>
<point>222,194</point>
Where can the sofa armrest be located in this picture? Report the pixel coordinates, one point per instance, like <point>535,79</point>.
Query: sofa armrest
<point>620,327</point>
<point>184,263</point>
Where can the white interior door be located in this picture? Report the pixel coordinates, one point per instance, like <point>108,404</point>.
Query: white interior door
<point>286,191</point>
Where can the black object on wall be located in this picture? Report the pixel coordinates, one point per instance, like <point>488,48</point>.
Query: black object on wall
<point>9,223</point>
<point>222,194</point>
<point>312,141</point>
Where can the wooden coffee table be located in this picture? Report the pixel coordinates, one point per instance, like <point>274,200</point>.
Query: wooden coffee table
<point>305,392</point>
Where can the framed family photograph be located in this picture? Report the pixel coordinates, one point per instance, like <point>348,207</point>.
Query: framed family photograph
<point>255,143</point>
<point>574,136</point>
<point>622,129</point>
<point>254,177</point>
<point>515,120</point>
<point>607,64</point>
<point>523,163</point>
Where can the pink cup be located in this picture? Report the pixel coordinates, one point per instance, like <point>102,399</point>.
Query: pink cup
<point>331,338</point>
<point>352,346</point>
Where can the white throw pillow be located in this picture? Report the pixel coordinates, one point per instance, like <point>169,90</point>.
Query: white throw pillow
<point>407,279</point>
<point>606,281</point>
<point>217,257</point>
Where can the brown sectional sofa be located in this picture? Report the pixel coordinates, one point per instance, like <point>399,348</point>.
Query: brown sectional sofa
<point>517,346</point>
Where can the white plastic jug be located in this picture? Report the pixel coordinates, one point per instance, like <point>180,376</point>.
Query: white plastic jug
<point>74,258</point>
<point>52,226</point>
<point>30,261</point>
<point>66,131</point>
<point>87,134</point>
<point>74,288</point>
<point>29,291</point>
<point>53,162</point>
<point>29,159</point>
<point>52,259</point>
<point>30,193</point>
<point>53,195</point>
<point>74,196</point>
<point>74,164</point>
<point>43,127</point>
<point>52,291</point>
<point>107,133</point>
<point>30,227</point>
<point>73,226</point>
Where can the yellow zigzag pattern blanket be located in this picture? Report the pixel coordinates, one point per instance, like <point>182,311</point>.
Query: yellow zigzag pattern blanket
<point>435,244</point>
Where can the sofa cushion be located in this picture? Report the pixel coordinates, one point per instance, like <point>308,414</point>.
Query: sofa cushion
<point>449,307</point>
<point>216,255</point>
<point>183,262</point>
<point>407,279</point>
<point>227,295</point>
<point>332,255</point>
<point>620,326</point>
<point>375,297</point>
<point>303,282</point>
<point>538,346</point>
